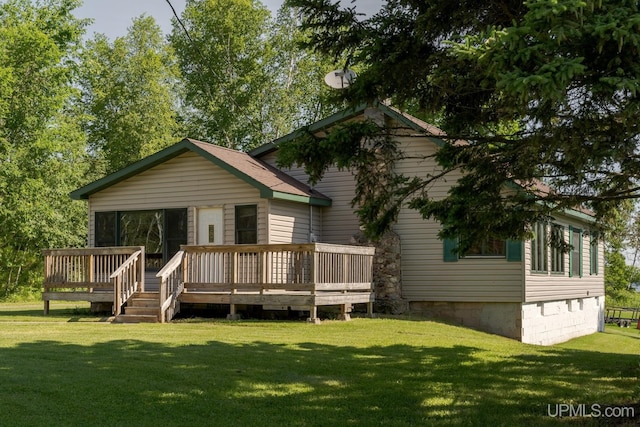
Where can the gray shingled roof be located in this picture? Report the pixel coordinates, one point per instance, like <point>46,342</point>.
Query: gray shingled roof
<point>270,181</point>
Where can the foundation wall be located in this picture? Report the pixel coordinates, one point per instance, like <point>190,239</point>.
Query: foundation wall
<point>542,323</point>
<point>552,322</point>
<point>496,318</point>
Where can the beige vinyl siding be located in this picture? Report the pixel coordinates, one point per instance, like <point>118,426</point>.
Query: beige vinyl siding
<point>425,276</point>
<point>556,286</point>
<point>288,222</point>
<point>339,221</point>
<point>186,181</point>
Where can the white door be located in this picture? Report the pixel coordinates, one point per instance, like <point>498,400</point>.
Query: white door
<point>210,232</point>
<point>210,226</point>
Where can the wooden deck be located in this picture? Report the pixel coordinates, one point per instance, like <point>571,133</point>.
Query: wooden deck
<point>296,276</point>
<point>93,274</point>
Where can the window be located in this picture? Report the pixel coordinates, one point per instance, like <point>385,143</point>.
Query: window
<point>175,224</point>
<point>247,224</point>
<point>160,231</point>
<point>488,248</point>
<point>142,228</point>
<point>593,254</point>
<point>557,248</point>
<point>105,229</point>
<point>539,244</point>
<point>575,252</point>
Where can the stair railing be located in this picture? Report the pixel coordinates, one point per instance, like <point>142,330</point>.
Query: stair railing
<point>127,280</point>
<point>171,285</point>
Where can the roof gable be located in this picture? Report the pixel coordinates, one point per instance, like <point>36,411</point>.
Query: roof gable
<point>271,182</point>
<point>414,123</point>
<point>433,133</point>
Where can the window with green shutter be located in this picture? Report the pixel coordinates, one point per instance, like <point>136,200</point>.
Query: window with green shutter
<point>487,248</point>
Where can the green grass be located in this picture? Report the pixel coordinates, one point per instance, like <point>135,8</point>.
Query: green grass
<point>71,368</point>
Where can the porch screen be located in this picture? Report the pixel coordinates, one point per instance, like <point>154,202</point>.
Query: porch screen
<point>161,232</point>
<point>144,228</point>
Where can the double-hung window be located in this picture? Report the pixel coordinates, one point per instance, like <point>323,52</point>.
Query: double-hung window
<point>575,252</point>
<point>539,251</point>
<point>557,248</point>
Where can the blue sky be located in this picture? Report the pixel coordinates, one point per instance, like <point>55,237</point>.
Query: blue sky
<point>113,17</point>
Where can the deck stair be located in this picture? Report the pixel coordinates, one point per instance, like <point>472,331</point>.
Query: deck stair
<point>142,307</point>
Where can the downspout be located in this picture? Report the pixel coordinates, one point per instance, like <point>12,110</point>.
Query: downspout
<point>311,235</point>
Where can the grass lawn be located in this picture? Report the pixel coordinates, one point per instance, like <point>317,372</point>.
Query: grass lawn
<point>70,368</point>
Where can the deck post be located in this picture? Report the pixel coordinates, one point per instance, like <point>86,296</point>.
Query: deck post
<point>91,268</point>
<point>232,312</point>
<point>117,296</point>
<point>185,267</point>
<point>345,312</point>
<point>143,268</point>
<point>46,307</point>
<point>313,315</point>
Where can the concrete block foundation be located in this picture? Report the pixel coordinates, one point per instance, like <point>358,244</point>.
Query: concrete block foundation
<point>552,322</point>
<point>541,323</point>
<point>494,317</point>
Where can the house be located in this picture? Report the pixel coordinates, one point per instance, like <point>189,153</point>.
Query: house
<point>528,291</point>
<point>195,193</point>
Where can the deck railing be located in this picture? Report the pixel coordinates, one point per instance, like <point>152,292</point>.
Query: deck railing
<point>340,267</point>
<point>277,274</point>
<point>77,274</point>
<point>128,279</point>
<point>313,266</point>
<point>171,285</point>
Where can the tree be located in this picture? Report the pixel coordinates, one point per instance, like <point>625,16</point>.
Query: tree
<point>297,95</point>
<point>247,79</point>
<point>130,94</point>
<point>620,236</point>
<point>41,145</point>
<point>222,55</point>
<point>543,92</point>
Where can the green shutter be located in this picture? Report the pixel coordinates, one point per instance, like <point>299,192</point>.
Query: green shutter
<point>450,254</point>
<point>514,250</point>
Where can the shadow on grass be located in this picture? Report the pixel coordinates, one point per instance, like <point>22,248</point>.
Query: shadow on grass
<point>70,314</point>
<point>627,332</point>
<point>133,382</point>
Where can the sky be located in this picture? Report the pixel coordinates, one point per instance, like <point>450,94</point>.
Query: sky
<point>113,17</point>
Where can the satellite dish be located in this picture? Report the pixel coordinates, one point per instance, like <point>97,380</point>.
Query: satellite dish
<point>340,79</point>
